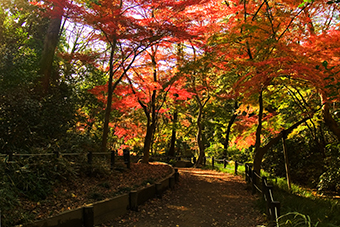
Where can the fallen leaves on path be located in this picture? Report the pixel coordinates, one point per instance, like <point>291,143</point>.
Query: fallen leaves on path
<point>202,198</point>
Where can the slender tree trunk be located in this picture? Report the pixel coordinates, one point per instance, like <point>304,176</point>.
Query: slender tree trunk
<point>110,89</point>
<point>259,127</point>
<point>199,137</point>
<point>2,19</point>
<point>285,153</point>
<point>173,135</point>
<point>328,118</point>
<point>258,151</point>
<point>50,45</point>
<point>262,150</point>
<point>151,125</point>
<point>147,141</point>
<point>231,122</point>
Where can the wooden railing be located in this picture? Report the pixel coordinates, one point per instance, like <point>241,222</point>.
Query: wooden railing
<point>258,185</point>
<point>88,156</point>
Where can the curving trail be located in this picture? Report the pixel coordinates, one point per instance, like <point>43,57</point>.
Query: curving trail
<point>201,198</point>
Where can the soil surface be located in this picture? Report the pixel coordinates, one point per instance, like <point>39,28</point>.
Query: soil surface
<point>201,198</point>
<point>82,190</point>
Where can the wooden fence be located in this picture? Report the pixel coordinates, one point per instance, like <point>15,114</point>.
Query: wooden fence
<point>12,157</point>
<point>258,184</point>
<point>99,212</point>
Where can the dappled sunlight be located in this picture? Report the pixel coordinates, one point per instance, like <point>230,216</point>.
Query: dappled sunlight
<point>231,196</point>
<point>208,174</point>
<point>181,208</point>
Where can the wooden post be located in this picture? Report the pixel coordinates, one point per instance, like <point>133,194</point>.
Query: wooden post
<point>266,196</point>
<point>10,156</point>
<point>224,163</point>
<point>275,205</point>
<point>126,154</point>
<point>213,161</point>
<point>158,190</point>
<point>57,155</point>
<point>236,166</point>
<point>112,159</point>
<point>253,183</point>
<point>89,162</point>
<point>133,200</point>
<point>246,166</point>
<point>89,158</point>
<point>194,160</point>
<point>172,182</point>
<point>285,153</point>
<point>88,216</point>
<point>176,175</point>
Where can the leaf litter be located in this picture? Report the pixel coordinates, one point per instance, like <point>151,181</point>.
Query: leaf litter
<point>79,191</point>
<point>201,198</point>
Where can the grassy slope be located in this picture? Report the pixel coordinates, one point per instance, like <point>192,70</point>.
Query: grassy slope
<point>299,203</point>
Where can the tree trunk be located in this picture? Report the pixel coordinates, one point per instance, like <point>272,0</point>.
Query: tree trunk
<point>328,118</point>
<point>2,19</point>
<point>259,127</point>
<point>173,135</point>
<point>50,45</point>
<point>199,138</point>
<point>262,150</point>
<point>110,89</point>
<point>151,125</point>
<point>147,142</point>
<point>285,153</point>
<point>231,122</point>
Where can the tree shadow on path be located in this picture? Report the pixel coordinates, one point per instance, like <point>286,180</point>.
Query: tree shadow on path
<point>201,198</point>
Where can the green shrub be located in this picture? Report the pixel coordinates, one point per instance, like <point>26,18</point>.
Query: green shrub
<point>295,219</point>
<point>330,179</point>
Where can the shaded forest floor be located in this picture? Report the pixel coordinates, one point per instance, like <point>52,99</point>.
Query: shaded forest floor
<point>82,190</point>
<point>202,198</point>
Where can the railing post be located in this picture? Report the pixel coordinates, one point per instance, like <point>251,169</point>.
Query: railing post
<point>246,167</point>
<point>10,156</point>
<point>213,161</point>
<point>89,158</point>
<point>277,205</point>
<point>224,163</point>
<point>176,175</point>
<point>126,154</point>
<point>88,216</point>
<point>112,159</point>
<point>133,200</point>
<point>158,190</point>
<point>57,155</point>
<point>172,182</point>
<point>236,166</point>
<point>266,196</point>
<point>89,162</point>
<point>253,183</point>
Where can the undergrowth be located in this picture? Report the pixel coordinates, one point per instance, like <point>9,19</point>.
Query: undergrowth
<point>322,211</point>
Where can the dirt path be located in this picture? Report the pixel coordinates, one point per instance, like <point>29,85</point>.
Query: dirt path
<point>201,198</point>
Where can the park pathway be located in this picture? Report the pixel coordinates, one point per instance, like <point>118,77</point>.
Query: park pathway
<point>201,198</point>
